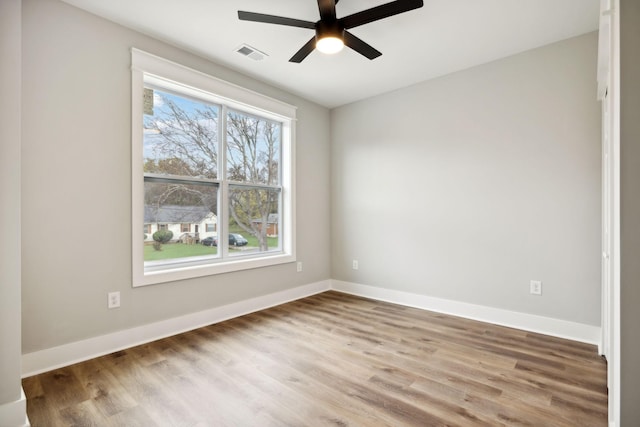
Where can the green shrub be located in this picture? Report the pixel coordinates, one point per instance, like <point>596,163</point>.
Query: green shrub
<point>160,237</point>
<point>163,236</point>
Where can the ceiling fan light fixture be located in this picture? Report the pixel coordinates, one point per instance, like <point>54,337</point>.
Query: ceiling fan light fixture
<point>329,44</point>
<point>329,37</point>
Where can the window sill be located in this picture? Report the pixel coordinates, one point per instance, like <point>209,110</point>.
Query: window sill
<point>209,269</point>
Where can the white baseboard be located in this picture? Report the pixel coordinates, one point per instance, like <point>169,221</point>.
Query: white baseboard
<point>15,413</point>
<point>67,354</point>
<point>528,322</point>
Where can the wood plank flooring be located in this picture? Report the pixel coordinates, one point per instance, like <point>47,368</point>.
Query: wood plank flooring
<point>332,360</point>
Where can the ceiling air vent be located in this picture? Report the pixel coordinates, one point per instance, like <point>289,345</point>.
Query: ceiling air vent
<point>251,52</point>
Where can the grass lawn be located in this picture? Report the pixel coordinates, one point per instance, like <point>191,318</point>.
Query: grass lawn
<point>177,250</point>
<point>253,241</point>
<point>180,250</point>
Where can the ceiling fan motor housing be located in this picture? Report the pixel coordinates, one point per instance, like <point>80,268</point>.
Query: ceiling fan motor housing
<point>329,29</point>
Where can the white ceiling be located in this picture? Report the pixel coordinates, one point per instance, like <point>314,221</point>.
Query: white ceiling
<point>442,37</point>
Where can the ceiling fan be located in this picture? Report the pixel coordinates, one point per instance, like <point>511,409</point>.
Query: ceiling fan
<point>331,31</point>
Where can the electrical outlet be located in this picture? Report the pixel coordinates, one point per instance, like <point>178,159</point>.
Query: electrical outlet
<point>113,299</point>
<point>299,266</point>
<point>354,264</point>
<point>535,287</point>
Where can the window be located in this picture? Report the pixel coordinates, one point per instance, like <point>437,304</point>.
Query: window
<point>209,154</point>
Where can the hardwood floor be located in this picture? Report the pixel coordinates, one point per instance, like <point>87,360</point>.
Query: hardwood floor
<point>332,360</point>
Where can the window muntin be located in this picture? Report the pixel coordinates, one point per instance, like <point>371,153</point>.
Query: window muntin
<point>185,164</point>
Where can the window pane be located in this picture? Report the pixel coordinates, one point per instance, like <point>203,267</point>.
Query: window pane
<point>180,136</point>
<point>172,208</point>
<point>254,214</point>
<point>208,148</point>
<point>253,149</point>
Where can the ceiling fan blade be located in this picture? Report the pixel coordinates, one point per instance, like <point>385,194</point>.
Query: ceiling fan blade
<point>361,47</point>
<point>327,10</point>
<point>380,12</point>
<point>304,51</point>
<point>271,19</point>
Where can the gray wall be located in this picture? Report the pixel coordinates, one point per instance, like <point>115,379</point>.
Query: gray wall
<point>10,351</point>
<point>468,186</point>
<point>630,211</point>
<point>76,194</point>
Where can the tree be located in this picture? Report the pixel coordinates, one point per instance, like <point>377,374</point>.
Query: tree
<point>159,194</point>
<point>183,143</point>
<point>253,152</point>
<point>190,138</point>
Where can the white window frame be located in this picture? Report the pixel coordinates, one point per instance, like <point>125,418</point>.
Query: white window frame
<point>151,69</point>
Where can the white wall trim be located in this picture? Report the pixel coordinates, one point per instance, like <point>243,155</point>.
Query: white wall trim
<point>528,322</point>
<point>67,354</point>
<point>15,413</point>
